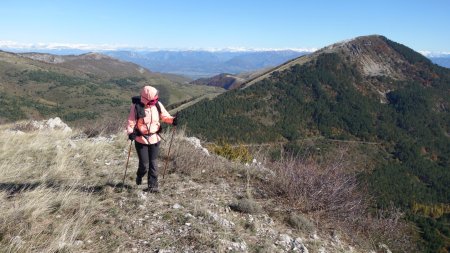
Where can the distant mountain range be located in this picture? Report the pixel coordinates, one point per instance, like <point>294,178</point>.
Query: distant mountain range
<point>443,61</point>
<point>198,64</point>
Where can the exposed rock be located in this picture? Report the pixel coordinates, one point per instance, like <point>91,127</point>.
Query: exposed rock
<point>166,250</point>
<point>222,221</point>
<point>50,124</point>
<point>78,243</point>
<point>177,206</point>
<point>17,240</point>
<point>384,248</point>
<point>72,144</point>
<point>290,244</point>
<point>197,145</point>
<point>284,240</point>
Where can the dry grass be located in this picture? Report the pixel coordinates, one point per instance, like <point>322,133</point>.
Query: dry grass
<point>104,127</point>
<point>61,192</point>
<point>48,190</point>
<point>246,205</point>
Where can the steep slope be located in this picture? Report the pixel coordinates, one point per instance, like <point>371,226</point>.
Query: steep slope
<point>368,89</point>
<point>371,57</point>
<point>365,70</point>
<point>79,88</point>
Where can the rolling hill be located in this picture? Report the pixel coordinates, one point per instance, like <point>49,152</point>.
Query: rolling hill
<point>226,81</point>
<point>79,88</point>
<point>368,89</point>
<point>230,81</point>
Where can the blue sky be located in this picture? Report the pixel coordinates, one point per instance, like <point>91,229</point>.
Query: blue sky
<point>189,24</point>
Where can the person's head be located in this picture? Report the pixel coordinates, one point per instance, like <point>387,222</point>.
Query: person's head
<point>149,95</point>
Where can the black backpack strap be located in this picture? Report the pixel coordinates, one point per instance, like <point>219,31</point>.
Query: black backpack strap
<point>158,107</point>
<point>136,99</point>
<point>139,107</point>
<point>139,112</point>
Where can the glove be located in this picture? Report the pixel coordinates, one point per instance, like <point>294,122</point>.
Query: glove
<point>132,136</point>
<point>175,121</point>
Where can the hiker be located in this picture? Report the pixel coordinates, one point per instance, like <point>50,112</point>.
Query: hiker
<point>144,127</point>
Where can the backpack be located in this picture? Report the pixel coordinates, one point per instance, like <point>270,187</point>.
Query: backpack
<point>139,109</point>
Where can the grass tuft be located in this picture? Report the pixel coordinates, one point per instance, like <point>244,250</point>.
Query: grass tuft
<point>300,222</point>
<point>246,205</point>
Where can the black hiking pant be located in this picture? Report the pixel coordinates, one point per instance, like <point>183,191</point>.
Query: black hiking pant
<point>147,162</point>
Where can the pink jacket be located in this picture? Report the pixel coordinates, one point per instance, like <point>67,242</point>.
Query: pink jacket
<point>150,124</point>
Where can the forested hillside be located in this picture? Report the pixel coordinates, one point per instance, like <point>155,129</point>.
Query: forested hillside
<point>368,89</point>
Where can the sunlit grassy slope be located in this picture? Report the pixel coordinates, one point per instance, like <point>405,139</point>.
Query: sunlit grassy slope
<point>81,90</point>
<point>62,192</point>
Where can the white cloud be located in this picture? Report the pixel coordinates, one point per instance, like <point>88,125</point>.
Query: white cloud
<point>11,45</point>
<point>434,54</point>
<point>6,44</point>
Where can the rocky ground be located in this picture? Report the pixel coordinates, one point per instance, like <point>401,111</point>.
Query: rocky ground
<point>206,204</point>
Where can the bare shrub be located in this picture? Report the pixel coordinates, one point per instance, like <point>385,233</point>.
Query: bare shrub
<point>24,126</point>
<point>389,227</point>
<point>325,189</point>
<point>104,126</point>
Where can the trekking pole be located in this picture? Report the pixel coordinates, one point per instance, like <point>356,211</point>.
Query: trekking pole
<point>126,166</point>
<point>170,146</point>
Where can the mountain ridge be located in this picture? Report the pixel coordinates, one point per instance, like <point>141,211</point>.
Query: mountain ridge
<point>369,65</point>
<point>368,89</point>
<point>94,63</point>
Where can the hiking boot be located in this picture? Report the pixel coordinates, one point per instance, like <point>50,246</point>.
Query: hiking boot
<point>138,180</point>
<point>152,190</point>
